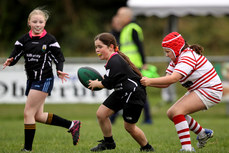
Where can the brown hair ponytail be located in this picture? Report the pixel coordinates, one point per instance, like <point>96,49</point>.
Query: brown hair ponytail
<point>126,58</point>
<point>197,48</point>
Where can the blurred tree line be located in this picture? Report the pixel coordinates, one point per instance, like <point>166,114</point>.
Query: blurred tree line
<point>76,22</point>
<point>73,22</point>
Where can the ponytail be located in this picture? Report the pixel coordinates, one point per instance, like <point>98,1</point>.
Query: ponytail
<point>126,58</point>
<point>198,49</point>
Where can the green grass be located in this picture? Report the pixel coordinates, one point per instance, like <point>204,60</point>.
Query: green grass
<point>162,134</point>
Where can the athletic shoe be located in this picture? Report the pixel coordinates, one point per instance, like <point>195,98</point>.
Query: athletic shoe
<point>75,131</point>
<point>148,121</point>
<point>202,141</point>
<point>104,146</point>
<point>149,149</point>
<point>186,150</point>
<point>25,150</point>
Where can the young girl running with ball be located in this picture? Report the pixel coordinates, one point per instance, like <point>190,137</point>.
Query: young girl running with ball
<point>129,95</point>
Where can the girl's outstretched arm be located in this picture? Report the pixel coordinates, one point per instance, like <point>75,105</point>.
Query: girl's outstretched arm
<point>161,82</point>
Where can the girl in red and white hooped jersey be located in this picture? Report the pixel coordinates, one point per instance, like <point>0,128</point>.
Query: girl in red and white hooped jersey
<point>196,73</point>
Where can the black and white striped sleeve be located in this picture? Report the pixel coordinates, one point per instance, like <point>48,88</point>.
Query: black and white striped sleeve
<point>57,55</point>
<point>17,52</point>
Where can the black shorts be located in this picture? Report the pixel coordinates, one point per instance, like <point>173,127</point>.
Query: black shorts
<point>45,85</point>
<point>131,111</point>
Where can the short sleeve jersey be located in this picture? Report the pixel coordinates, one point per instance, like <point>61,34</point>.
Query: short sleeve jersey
<point>38,52</point>
<point>197,71</point>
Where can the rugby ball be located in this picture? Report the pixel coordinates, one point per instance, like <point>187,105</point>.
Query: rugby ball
<point>87,73</point>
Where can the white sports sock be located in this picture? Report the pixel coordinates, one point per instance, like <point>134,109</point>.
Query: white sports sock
<point>71,125</point>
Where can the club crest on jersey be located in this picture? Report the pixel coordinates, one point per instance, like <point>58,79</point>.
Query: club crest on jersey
<point>44,47</point>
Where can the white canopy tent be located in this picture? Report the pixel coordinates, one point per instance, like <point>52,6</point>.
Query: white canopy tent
<point>178,8</point>
<point>164,8</point>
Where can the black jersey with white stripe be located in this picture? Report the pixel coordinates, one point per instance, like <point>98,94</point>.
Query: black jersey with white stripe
<point>120,74</point>
<point>125,82</point>
<point>38,52</point>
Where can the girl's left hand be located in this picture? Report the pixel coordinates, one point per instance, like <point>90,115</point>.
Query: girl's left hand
<point>63,76</point>
<point>93,84</point>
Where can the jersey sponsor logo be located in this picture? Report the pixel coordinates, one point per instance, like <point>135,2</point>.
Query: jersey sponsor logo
<point>44,47</point>
<point>33,58</point>
<point>129,118</point>
<point>35,42</point>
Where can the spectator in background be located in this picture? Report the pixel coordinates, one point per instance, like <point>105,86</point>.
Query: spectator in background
<point>116,28</point>
<point>131,44</point>
<point>169,94</point>
<point>39,49</point>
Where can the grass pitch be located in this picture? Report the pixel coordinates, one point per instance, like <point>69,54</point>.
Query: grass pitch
<point>161,134</point>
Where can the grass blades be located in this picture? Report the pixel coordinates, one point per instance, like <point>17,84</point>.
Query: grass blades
<point>161,134</point>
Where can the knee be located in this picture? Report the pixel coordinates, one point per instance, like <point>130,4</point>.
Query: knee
<point>170,114</point>
<point>100,115</point>
<point>28,113</point>
<point>174,111</point>
<point>129,128</point>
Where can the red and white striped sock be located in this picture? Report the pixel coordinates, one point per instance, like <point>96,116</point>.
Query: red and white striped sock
<point>194,126</point>
<point>182,128</point>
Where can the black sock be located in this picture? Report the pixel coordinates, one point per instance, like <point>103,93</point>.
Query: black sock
<point>109,139</point>
<point>30,130</point>
<point>58,121</point>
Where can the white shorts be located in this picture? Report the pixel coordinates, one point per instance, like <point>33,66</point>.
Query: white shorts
<point>208,103</point>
